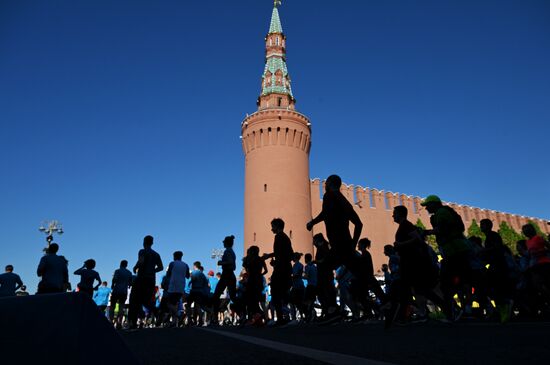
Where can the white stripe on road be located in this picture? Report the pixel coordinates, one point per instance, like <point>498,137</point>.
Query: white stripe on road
<point>325,356</point>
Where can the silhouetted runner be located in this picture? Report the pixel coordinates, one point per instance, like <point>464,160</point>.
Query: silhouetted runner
<point>448,229</point>
<point>369,282</point>
<point>87,277</point>
<point>498,274</point>
<point>417,270</point>
<point>227,279</point>
<point>53,271</point>
<point>174,284</point>
<point>310,274</point>
<point>9,282</point>
<point>198,294</point>
<point>298,289</point>
<point>143,288</point>
<point>122,280</point>
<point>539,263</point>
<point>325,275</point>
<point>281,278</point>
<point>256,268</point>
<point>337,213</point>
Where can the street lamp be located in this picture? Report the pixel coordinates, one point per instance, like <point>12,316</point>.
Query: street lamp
<point>216,255</point>
<point>49,228</point>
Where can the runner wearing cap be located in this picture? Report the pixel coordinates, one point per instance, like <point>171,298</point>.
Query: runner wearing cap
<point>448,228</point>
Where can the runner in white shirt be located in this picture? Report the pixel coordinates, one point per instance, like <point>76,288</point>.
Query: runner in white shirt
<point>178,271</point>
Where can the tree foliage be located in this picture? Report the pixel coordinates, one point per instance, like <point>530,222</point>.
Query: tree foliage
<point>475,230</point>
<point>509,236</point>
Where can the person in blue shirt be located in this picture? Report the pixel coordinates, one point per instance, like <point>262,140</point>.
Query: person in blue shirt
<point>297,291</point>
<point>198,293</point>
<point>122,280</point>
<point>53,271</point>
<point>227,280</point>
<point>9,282</point>
<point>310,274</point>
<point>212,281</point>
<point>101,296</point>
<point>87,278</point>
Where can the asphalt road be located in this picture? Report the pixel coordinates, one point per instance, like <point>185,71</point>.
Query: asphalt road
<point>428,343</point>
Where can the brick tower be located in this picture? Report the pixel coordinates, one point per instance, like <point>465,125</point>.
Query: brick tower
<point>276,142</point>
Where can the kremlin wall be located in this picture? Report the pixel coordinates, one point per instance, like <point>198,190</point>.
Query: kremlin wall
<point>374,207</point>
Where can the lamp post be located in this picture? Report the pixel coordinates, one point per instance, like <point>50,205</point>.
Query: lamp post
<point>49,228</point>
<point>216,255</point>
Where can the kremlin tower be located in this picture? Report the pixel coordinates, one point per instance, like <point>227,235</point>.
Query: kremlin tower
<point>276,142</point>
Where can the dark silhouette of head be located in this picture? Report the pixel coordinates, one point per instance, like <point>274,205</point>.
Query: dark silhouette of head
<point>23,287</point>
<point>277,225</point>
<point>104,283</point>
<point>297,256</point>
<point>385,268</point>
<point>89,264</point>
<point>54,247</point>
<point>319,240</point>
<point>400,213</point>
<point>228,241</point>
<point>147,241</point>
<point>253,251</point>
<point>333,183</point>
<point>124,264</point>
<point>486,225</point>
<point>308,258</point>
<point>364,244</point>
<point>432,203</point>
<point>218,275</point>
<point>529,230</point>
<point>178,255</point>
<point>197,265</point>
<point>9,268</point>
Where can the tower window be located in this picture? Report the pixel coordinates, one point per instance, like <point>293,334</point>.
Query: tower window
<point>265,188</point>
<point>254,236</point>
<point>290,233</point>
<point>279,101</point>
<point>277,40</point>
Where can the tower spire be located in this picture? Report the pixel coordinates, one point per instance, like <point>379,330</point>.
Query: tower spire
<point>275,25</point>
<point>276,90</point>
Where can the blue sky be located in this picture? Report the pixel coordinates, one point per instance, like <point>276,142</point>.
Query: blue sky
<point>122,118</point>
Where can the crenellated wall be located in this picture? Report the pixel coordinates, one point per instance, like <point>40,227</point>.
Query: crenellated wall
<point>375,207</point>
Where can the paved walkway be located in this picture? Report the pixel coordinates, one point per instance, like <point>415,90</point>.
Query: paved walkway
<point>430,343</point>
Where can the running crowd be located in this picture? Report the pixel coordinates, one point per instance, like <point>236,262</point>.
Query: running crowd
<point>467,277</point>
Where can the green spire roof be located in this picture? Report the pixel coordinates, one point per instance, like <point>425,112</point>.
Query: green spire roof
<point>273,65</point>
<point>275,78</point>
<point>275,26</point>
